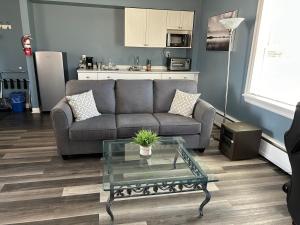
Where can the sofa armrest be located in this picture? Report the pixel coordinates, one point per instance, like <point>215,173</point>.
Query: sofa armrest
<point>205,114</point>
<point>62,119</point>
<point>62,116</point>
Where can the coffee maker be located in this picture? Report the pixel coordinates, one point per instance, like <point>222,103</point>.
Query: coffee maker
<point>89,62</point>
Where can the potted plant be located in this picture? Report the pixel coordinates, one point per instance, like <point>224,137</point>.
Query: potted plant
<point>145,139</point>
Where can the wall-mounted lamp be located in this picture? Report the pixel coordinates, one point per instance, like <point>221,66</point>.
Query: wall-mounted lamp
<point>5,26</point>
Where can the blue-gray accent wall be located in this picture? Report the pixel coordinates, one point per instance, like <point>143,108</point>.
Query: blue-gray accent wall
<point>212,65</point>
<point>11,54</point>
<point>98,31</point>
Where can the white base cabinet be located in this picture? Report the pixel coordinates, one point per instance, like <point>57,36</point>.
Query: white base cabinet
<point>94,75</point>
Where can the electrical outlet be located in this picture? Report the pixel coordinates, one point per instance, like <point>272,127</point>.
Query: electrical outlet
<point>167,54</point>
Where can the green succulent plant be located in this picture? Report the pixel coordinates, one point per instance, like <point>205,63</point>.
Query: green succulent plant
<point>145,138</point>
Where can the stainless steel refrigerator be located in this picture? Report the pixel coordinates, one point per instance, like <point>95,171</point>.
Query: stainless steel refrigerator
<point>51,69</point>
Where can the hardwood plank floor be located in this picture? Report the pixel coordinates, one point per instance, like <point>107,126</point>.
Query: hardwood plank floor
<point>38,187</point>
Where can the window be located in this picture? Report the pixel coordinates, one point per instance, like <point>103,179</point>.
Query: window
<point>274,70</point>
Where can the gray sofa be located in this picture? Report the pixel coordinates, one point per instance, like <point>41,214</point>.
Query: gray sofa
<point>127,106</point>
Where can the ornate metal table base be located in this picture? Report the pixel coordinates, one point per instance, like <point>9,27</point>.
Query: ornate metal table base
<point>155,189</point>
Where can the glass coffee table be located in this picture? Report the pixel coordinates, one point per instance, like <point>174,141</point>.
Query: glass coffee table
<point>170,169</point>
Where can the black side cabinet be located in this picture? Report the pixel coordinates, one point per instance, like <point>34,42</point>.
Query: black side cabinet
<point>239,140</point>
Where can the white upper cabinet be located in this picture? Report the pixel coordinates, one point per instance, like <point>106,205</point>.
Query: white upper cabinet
<point>156,28</point>
<point>180,20</point>
<point>135,27</point>
<point>173,19</point>
<point>187,20</point>
<point>148,27</point>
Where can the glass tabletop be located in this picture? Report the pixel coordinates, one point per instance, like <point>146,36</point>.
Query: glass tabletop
<point>170,162</point>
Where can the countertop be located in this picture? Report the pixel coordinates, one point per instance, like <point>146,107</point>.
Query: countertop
<point>142,71</point>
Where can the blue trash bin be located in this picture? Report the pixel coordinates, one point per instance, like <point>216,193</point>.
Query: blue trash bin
<point>18,100</point>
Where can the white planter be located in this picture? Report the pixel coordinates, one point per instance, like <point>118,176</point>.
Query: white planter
<point>145,151</point>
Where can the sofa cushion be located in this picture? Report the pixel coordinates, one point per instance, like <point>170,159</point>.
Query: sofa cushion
<point>129,124</point>
<point>101,127</point>
<point>134,96</point>
<point>83,105</point>
<point>171,124</point>
<point>103,91</point>
<point>183,103</point>
<point>164,92</point>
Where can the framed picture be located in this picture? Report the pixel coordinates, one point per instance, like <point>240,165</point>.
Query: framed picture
<point>217,35</point>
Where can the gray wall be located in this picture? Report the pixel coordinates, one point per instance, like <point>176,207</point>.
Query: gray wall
<point>11,54</point>
<point>96,31</point>
<point>213,69</point>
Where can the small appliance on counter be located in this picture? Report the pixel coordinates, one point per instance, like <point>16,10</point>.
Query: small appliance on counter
<point>89,62</point>
<point>179,64</point>
<point>82,63</point>
<point>178,40</point>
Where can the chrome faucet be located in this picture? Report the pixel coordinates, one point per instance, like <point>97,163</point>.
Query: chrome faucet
<point>136,66</point>
<point>137,61</point>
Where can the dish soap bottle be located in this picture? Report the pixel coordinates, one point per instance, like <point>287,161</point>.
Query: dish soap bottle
<point>148,65</point>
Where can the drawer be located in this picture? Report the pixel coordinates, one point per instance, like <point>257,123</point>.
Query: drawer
<point>128,76</point>
<point>180,76</point>
<point>140,76</point>
<point>87,76</point>
<point>108,76</point>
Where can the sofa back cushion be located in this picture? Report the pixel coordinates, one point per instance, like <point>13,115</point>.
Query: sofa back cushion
<point>103,90</point>
<point>164,92</point>
<point>134,96</point>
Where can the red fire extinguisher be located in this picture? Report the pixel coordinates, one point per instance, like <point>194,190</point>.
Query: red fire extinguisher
<point>26,43</point>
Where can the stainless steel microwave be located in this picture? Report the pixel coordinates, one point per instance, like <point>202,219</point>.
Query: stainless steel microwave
<point>178,40</point>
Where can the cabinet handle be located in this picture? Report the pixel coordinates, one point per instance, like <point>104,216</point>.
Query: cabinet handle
<point>87,77</point>
<point>185,77</point>
<point>108,77</point>
<point>145,44</point>
<point>170,77</point>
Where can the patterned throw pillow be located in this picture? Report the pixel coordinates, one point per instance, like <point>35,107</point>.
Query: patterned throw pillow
<point>83,105</point>
<point>183,103</point>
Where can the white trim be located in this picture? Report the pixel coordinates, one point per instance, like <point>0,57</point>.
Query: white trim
<point>275,155</point>
<point>271,149</point>
<point>35,110</point>
<point>271,105</point>
<point>254,45</point>
<point>265,103</point>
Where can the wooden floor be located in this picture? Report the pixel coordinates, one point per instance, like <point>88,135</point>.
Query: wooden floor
<point>37,187</point>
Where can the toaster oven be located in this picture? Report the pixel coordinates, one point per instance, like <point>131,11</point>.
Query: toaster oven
<point>178,64</point>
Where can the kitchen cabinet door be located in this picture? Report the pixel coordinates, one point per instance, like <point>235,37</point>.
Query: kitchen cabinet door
<point>135,27</point>
<point>180,76</point>
<point>187,20</point>
<point>156,28</point>
<point>87,76</point>
<point>174,19</point>
<point>129,76</point>
<point>108,76</point>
